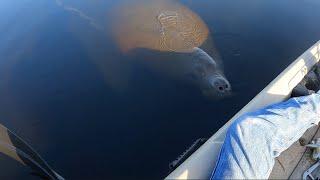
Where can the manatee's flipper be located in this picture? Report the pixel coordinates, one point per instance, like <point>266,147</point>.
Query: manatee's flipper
<point>14,147</point>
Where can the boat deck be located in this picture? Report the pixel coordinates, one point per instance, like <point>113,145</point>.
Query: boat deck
<point>293,162</point>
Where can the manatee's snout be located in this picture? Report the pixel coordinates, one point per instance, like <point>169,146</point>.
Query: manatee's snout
<point>218,87</point>
<point>220,84</point>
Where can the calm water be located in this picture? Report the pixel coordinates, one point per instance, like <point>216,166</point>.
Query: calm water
<point>94,112</point>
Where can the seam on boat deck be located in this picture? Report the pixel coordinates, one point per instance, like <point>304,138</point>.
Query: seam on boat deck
<point>313,137</point>
<point>286,165</point>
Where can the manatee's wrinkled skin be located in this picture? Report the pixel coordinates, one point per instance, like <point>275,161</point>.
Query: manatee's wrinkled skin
<point>196,68</point>
<point>208,76</point>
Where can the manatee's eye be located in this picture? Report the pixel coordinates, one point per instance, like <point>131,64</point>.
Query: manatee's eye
<point>220,88</point>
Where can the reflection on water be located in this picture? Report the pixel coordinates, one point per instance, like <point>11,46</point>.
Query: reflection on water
<point>80,14</point>
<point>103,104</point>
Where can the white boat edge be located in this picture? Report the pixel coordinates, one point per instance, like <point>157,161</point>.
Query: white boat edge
<point>202,162</point>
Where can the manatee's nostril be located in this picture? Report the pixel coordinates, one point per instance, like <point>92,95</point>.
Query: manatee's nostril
<point>227,86</point>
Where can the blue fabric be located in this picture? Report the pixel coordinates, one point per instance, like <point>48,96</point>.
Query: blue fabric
<point>254,140</point>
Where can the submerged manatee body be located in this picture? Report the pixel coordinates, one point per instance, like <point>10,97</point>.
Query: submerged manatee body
<point>172,33</point>
<point>196,68</point>
<point>163,25</point>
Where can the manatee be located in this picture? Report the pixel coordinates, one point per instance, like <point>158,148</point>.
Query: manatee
<point>207,74</point>
<point>169,27</point>
<point>196,68</point>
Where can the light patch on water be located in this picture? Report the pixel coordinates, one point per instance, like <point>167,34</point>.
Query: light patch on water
<point>79,13</point>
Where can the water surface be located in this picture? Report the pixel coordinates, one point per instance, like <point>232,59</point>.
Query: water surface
<point>94,112</point>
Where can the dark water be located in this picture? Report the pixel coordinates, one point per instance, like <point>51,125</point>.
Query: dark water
<point>94,113</point>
